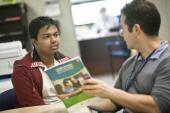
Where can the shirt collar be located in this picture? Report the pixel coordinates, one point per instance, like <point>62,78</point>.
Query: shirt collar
<point>163,45</point>
<point>44,67</point>
<point>58,58</point>
<point>36,59</point>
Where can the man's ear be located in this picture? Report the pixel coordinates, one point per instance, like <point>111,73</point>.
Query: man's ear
<point>136,28</point>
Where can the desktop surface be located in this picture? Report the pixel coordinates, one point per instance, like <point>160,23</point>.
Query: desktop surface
<point>59,108</point>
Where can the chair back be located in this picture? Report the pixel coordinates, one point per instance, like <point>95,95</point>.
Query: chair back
<point>118,52</point>
<point>7,100</point>
<point>117,48</point>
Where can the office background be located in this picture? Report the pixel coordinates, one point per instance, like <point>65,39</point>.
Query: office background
<point>69,43</point>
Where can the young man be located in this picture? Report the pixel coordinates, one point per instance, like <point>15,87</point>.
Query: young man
<point>31,84</point>
<point>144,79</point>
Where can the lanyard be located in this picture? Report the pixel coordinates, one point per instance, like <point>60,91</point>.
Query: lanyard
<point>135,72</point>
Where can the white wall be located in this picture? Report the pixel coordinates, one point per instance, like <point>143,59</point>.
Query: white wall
<point>167,4</point>
<point>69,44</point>
<point>165,16</point>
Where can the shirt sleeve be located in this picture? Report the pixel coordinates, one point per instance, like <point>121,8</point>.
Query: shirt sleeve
<point>118,85</point>
<point>161,87</point>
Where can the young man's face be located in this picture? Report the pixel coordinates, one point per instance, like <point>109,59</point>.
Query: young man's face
<point>128,36</point>
<point>48,40</point>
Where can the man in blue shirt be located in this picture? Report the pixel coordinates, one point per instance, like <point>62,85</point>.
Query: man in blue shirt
<point>144,79</point>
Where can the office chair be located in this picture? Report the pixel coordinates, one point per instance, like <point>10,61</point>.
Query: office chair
<point>118,52</point>
<point>7,100</point>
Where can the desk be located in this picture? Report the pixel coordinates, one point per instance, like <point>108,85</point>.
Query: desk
<point>59,108</point>
<point>95,54</point>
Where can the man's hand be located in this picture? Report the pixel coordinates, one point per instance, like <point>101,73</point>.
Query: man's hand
<point>97,88</point>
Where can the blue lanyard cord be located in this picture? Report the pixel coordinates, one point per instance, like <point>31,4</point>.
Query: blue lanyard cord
<point>133,75</point>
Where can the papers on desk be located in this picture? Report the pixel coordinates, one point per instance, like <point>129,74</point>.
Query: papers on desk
<point>5,84</point>
<point>9,52</point>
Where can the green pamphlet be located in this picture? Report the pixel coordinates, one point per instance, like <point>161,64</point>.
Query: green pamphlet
<point>68,78</point>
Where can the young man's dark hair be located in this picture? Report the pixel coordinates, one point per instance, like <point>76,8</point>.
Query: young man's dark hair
<point>36,24</point>
<point>143,13</point>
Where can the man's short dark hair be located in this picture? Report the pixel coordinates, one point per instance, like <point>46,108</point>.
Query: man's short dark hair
<point>145,14</point>
<point>39,22</point>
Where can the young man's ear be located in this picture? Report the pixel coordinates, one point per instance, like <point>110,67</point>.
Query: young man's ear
<point>33,42</point>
